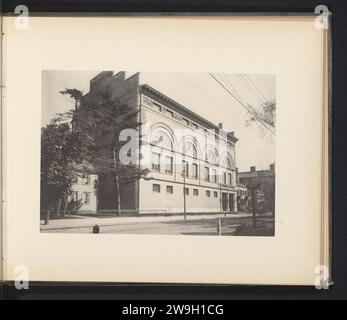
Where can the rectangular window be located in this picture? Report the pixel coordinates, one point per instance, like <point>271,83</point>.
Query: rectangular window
<point>186,191</point>
<point>207,174</point>
<point>86,197</point>
<point>195,171</point>
<point>208,193</point>
<point>168,164</point>
<point>156,188</point>
<point>74,196</point>
<point>225,178</point>
<point>169,189</point>
<point>156,161</point>
<point>214,175</point>
<point>195,192</point>
<point>215,194</point>
<point>157,106</point>
<point>229,178</point>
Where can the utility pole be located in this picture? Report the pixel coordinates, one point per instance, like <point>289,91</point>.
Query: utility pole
<point>220,195</point>
<point>254,188</point>
<point>184,192</point>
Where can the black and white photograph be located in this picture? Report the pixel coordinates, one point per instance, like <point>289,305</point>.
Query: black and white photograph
<point>158,153</point>
<point>183,150</point>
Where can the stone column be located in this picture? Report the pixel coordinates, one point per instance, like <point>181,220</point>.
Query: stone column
<point>235,203</point>
<point>228,203</point>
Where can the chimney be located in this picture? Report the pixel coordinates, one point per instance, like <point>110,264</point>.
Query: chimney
<point>220,125</point>
<point>231,133</point>
<point>253,169</point>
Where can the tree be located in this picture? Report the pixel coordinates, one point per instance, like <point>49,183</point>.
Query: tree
<point>266,114</point>
<point>102,121</point>
<point>61,154</point>
<point>73,93</point>
<point>77,96</point>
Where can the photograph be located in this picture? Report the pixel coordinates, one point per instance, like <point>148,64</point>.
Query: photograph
<point>166,153</point>
<point>158,153</point>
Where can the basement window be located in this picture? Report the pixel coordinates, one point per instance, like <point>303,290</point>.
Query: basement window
<point>156,188</point>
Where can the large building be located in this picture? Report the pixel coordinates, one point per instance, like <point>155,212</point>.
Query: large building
<point>191,161</point>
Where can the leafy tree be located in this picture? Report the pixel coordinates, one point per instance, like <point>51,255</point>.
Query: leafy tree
<point>101,120</point>
<point>266,114</point>
<point>61,155</point>
<point>73,93</point>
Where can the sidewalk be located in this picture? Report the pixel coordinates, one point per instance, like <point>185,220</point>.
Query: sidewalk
<point>83,221</point>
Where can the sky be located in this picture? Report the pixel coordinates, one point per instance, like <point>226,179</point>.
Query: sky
<point>199,92</point>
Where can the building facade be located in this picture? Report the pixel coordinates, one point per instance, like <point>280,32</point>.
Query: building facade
<point>265,193</point>
<point>83,196</point>
<point>191,161</point>
<point>242,197</point>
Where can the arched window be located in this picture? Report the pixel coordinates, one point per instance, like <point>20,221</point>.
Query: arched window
<point>190,150</point>
<point>211,156</point>
<point>227,163</point>
<point>162,139</point>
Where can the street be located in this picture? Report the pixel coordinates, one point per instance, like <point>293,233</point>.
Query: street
<point>238,226</point>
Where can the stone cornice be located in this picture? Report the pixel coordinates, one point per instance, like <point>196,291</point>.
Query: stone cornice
<point>148,90</point>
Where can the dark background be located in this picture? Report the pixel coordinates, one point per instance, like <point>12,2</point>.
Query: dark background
<point>338,165</point>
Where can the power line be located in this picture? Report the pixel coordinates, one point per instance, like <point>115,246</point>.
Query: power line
<point>261,129</point>
<point>212,98</point>
<point>248,109</point>
<point>251,89</point>
<point>240,102</point>
<point>256,88</point>
<point>258,130</point>
<point>258,125</point>
<point>228,81</point>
